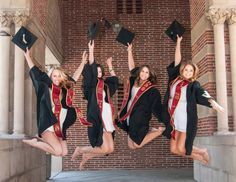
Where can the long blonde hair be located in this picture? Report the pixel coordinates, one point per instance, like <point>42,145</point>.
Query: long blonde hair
<point>65,79</point>
<point>195,70</point>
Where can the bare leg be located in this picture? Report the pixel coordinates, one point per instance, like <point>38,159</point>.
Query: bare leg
<point>51,145</point>
<point>202,152</point>
<point>178,147</point>
<point>86,157</point>
<point>64,147</point>
<point>106,148</point>
<point>148,138</point>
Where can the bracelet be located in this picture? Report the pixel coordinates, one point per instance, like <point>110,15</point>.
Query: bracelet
<point>111,70</point>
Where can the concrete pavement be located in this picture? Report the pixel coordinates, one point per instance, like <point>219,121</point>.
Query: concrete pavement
<point>158,175</point>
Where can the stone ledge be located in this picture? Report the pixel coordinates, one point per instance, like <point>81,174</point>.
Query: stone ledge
<point>20,161</point>
<point>222,166</point>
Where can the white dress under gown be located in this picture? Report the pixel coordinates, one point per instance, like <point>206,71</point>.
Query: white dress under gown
<point>62,114</point>
<point>180,113</point>
<point>107,115</point>
<point>133,94</point>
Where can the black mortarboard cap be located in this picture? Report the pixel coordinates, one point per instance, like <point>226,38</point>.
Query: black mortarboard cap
<point>174,29</point>
<point>125,36</point>
<point>24,38</point>
<point>106,23</point>
<point>93,30</point>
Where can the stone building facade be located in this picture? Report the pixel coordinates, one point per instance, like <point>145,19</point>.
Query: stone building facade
<point>61,28</point>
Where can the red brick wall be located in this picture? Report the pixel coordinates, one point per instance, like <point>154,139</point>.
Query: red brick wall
<point>208,125</point>
<point>39,11</point>
<point>151,46</point>
<point>197,10</point>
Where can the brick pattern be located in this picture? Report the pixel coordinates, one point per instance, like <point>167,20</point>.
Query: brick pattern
<point>197,10</point>
<point>208,125</point>
<point>53,27</point>
<point>39,11</point>
<point>151,46</point>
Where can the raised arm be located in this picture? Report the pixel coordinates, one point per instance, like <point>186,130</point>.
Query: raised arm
<point>28,58</point>
<point>109,64</point>
<point>178,51</point>
<point>130,57</point>
<point>81,66</point>
<point>91,51</point>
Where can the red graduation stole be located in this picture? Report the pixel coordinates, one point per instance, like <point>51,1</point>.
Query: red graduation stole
<point>69,97</point>
<point>144,87</point>
<point>69,103</point>
<point>56,91</point>
<point>175,101</point>
<point>99,95</point>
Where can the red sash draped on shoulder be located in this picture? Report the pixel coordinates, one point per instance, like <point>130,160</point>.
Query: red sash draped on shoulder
<point>175,101</point>
<point>144,87</point>
<point>69,103</point>
<point>99,95</point>
<point>56,92</point>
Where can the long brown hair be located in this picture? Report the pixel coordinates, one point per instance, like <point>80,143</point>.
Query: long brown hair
<point>195,70</point>
<point>102,68</point>
<point>152,76</point>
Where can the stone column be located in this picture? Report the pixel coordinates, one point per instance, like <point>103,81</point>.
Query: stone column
<point>19,19</point>
<point>232,40</point>
<point>218,17</point>
<point>5,39</point>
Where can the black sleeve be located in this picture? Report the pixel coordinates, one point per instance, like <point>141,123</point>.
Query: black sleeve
<point>89,79</point>
<point>202,96</point>
<point>70,78</point>
<point>155,99</point>
<point>112,83</point>
<point>38,76</point>
<point>134,72</point>
<point>173,71</point>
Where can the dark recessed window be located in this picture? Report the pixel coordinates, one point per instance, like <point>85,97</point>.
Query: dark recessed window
<point>119,6</point>
<point>139,6</point>
<point>120,95</point>
<point>129,6</point>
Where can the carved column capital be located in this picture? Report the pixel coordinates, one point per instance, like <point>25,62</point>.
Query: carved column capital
<point>231,16</point>
<point>217,15</point>
<point>20,18</point>
<point>5,19</point>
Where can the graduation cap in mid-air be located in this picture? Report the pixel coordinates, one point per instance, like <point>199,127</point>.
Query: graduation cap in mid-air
<point>93,30</point>
<point>175,29</point>
<point>24,38</point>
<point>125,36</point>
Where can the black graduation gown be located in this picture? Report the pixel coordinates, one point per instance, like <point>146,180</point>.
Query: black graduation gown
<point>195,95</point>
<point>95,132</point>
<point>45,117</point>
<point>149,103</point>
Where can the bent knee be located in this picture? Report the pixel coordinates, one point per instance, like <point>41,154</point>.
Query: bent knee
<point>109,149</point>
<point>181,151</point>
<point>58,151</point>
<point>137,146</point>
<point>173,150</point>
<point>131,147</point>
<point>64,153</point>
